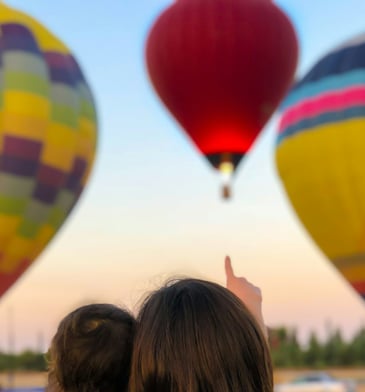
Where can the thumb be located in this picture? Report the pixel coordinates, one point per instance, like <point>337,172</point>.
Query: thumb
<point>228,267</point>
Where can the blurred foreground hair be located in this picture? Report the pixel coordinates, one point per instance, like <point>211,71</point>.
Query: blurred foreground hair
<point>196,336</point>
<point>91,351</point>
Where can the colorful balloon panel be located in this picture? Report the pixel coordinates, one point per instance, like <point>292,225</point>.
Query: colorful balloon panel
<point>221,67</point>
<point>320,156</point>
<point>48,134</point>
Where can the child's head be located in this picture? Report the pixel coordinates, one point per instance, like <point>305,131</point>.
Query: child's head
<point>91,350</point>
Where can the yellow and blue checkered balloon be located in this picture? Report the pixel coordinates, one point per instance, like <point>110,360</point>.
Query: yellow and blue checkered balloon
<point>48,134</point>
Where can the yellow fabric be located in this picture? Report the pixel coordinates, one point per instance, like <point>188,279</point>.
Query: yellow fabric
<point>17,250</point>
<point>8,225</point>
<point>323,170</point>
<point>23,126</point>
<point>62,136</point>
<point>26,104</point>
<point>58,157</point>
<point>44,235</point>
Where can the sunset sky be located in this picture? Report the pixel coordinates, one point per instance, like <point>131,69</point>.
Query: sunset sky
<point>152,208</point>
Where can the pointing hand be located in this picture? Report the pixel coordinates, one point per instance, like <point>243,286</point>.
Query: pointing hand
<point>248,293</point>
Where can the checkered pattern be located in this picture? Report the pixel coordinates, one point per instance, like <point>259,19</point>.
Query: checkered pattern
<point>48,135</point>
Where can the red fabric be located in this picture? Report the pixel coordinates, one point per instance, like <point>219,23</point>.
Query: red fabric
<point>359,287</point>
<point>8,279</point>
<point>222,67</point>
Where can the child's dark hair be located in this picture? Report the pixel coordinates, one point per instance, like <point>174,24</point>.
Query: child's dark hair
<point>91,350</point>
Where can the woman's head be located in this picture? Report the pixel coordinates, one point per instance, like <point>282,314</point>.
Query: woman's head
<point>196,336</point>
<point>91,351</point>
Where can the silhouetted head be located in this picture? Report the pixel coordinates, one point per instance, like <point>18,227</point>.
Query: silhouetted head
<point>196,336</point>
<point>91,351</point>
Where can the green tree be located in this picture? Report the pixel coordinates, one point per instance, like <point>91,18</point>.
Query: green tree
<point>29,360</point>
<point>285,349</point>
<point>357,349</point>
<point>334,349</point>
<point>313,354</point>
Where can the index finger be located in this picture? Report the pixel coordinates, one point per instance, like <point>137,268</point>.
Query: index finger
<point>228,267</point>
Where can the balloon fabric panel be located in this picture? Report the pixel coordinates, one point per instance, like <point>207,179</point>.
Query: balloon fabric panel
<point>320,157</point>
<point>48,138</point>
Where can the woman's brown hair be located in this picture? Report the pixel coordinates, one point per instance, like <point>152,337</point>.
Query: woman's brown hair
<point>91,351</point>
<point>196,336</point>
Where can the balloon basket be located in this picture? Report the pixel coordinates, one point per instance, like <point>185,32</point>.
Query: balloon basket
<point>226,192</point>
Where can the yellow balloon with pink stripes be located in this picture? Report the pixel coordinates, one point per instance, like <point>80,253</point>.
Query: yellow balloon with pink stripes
<point>320,156</point>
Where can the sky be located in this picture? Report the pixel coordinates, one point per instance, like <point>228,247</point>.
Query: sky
<point>152,207</point>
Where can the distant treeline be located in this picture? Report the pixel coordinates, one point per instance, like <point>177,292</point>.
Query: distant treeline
<point>285,348</point>
<point>27,360</point>
<point>335,351</point>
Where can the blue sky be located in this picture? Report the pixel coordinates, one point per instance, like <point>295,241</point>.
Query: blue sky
<point>152,207</point>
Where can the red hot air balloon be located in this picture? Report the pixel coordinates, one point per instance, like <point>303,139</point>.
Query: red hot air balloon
<point>222,67</point>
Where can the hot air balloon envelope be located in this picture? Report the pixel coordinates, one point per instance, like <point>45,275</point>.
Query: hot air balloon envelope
<point>221,67</point>
<point>47,139</point>
<point>320,157</point>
